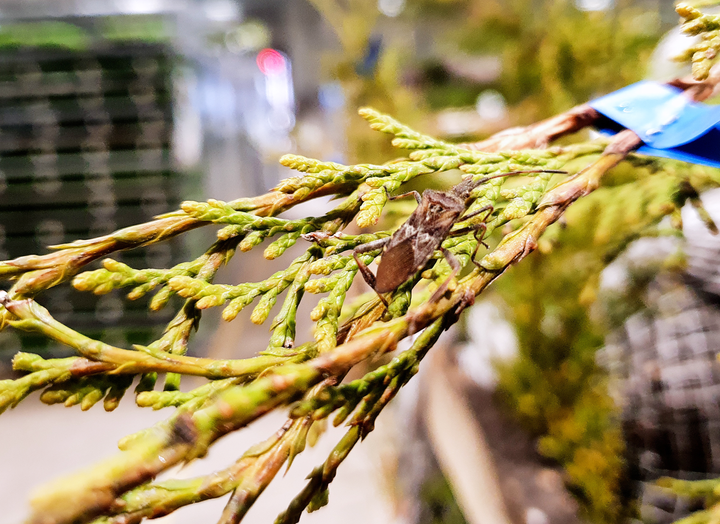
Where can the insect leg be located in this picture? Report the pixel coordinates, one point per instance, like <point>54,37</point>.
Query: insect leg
<point>439,292</point>
<point>455,266</point>
<point>476,228</point>
<point>364,270</point>
<point>473,227</point>
<point>413,193</point>
<point>372,246</point>
<point>368,276</point>
<point>487,209</point>
<point>481,227</point>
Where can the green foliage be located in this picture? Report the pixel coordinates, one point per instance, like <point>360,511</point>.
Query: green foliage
<point>709,490</point>
<point>439,503</point>
<point>308,378</point>
<point>702,54</point>
<point>64,35</point>
<point>150,29</point>
<point>555,386</point>
<point>44,34</point>
<point>547,71</point>
<point>239,391</point>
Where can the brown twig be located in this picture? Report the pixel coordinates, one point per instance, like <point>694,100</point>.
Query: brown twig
<point>539,135</point>
<point>40,272</point>
<point>188,433</point>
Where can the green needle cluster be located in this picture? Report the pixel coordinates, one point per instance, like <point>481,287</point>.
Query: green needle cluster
<point>703,54</point>
<point>306,379</point>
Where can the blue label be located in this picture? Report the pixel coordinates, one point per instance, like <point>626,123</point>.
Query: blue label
<point>671,125</point>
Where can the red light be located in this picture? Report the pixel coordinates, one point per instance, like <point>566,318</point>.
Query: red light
<point>270,62</point>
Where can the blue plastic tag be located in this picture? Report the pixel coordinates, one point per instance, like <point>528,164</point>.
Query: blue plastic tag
<point>671,125</point>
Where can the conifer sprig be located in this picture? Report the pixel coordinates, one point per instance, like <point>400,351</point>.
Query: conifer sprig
<point>703,54</point>
<point>307,377</point>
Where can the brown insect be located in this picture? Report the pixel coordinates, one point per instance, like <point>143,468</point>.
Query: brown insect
<point>410,248</point>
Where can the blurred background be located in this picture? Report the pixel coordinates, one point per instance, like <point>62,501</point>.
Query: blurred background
<point>114,111</point>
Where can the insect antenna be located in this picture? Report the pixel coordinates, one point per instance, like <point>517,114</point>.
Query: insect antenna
<point>464,188</point>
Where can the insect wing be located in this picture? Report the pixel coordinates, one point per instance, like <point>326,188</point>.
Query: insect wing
<point>396,266</point>
<point>417,239</point>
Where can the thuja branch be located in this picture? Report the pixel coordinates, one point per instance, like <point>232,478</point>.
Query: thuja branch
<point>267,458</point>
<point>391,378</point>
<point>540,134</point>
<point>240,391</point>
<point>189,433</point>
<point>703,54</point>
<point>28,315</point>
<point>158,499</point>
<point>39,272</point>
